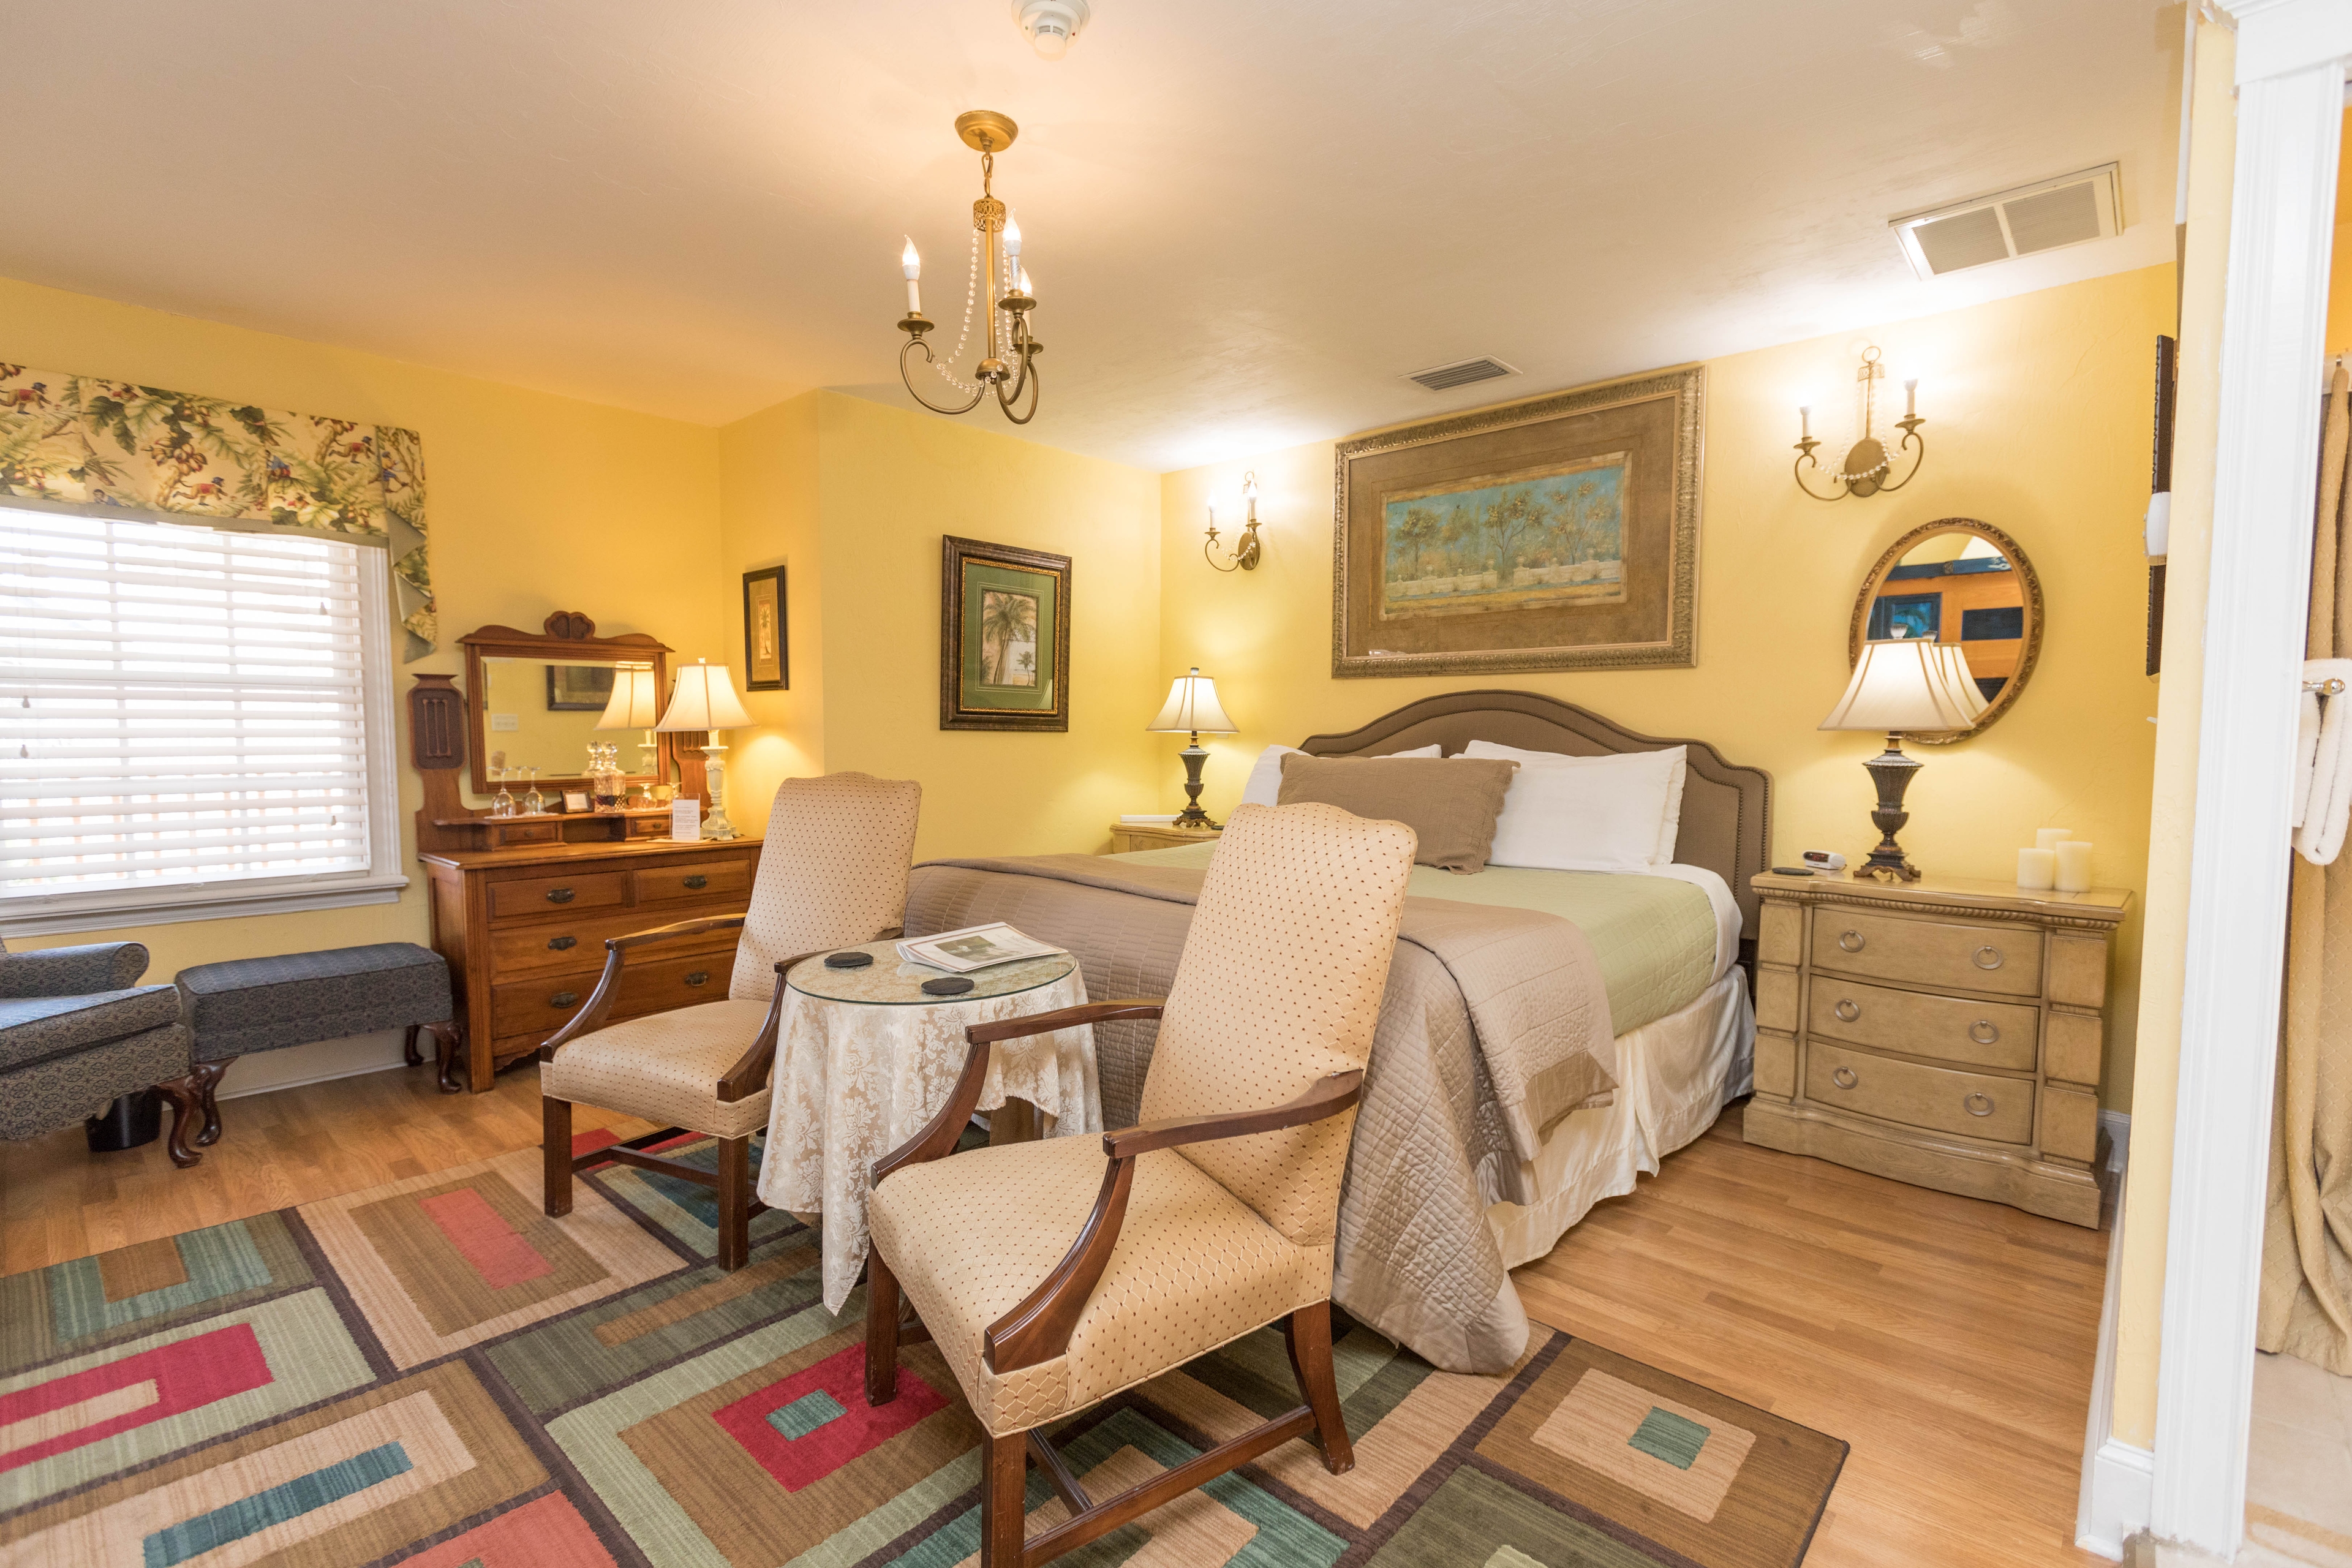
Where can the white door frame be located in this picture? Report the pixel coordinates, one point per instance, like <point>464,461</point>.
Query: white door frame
<point>2291,59</point>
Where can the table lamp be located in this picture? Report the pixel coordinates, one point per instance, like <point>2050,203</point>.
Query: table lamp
<point>1903,685</point>
<point>1192,708</point>
<point>705,699</point>
<point>636,705</point>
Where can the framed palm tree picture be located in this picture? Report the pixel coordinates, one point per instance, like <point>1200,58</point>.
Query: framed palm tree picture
<point>1004,637</point>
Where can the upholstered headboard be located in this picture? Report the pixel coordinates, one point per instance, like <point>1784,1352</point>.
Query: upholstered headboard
<point>1727,822</point>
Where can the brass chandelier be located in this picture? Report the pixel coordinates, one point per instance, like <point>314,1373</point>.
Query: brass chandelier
<point>1008,367</point>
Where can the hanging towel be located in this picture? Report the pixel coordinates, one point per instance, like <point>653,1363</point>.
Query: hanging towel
<point>2327,793</point>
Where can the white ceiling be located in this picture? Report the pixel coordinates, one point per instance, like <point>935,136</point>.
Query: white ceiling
<point>1246,220</point>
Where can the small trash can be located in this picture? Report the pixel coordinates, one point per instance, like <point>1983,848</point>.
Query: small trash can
<point>130,1121</point>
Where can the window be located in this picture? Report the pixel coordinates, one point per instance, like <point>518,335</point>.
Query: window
<point>197,723</point>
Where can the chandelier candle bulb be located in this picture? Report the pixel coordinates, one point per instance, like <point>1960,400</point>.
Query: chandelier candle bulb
<point>911,264</point>
<point>2037,869</point>
<point>2051,837</point>
<point>1911,398</point>
<point>2073,867</point>
<point>1012,240</point>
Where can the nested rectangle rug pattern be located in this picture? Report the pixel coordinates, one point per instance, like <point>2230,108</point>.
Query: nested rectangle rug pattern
<point>435,1373</point>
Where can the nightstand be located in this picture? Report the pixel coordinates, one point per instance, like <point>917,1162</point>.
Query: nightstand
<point>1944,1033</point>
<point>1126,837</point>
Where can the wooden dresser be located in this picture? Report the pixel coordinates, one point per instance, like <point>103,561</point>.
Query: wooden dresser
<point>524,929</point>
<point>1944,1033</point>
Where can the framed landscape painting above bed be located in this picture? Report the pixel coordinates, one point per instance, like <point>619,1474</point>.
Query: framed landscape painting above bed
<point>1559,533</point>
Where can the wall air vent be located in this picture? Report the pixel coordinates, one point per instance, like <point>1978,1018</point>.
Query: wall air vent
<point>2021,222</point>
<point>1461,373</point>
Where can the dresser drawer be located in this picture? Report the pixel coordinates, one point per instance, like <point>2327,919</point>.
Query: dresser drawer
<point>570,946</point>
<point>528,896</point>
<point>541,1007</point>
<point>1922,1024</point>
<point>704,880</point>
<point>1938,953</point>
<point>1974,1105</point>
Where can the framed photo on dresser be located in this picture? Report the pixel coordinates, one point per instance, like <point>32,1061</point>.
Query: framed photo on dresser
<point>1558,533</point>
<point>1004,637</point>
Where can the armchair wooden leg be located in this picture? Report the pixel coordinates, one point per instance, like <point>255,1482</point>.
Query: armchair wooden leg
<point>881,1331</point>
<point>1307,1332</point>
<point>734,1202</point>
<point>555,1154</point>
<point>188,1100</point>
<point>1005,1477</point>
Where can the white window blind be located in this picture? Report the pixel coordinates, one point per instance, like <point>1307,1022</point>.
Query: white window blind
<point>184,707</point>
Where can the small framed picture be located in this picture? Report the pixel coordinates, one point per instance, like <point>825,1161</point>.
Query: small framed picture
<point>767,665</point>
<point>1004,637</point>
<point>579,688</point>
<point>575,800</point>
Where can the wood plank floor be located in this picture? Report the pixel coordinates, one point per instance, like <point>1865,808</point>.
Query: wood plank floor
<point>1949,1341</point>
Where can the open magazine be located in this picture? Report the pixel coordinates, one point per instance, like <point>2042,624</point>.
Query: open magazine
<point>975,947</point>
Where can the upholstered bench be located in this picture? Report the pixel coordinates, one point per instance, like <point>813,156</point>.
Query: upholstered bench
<point>251,1004</point>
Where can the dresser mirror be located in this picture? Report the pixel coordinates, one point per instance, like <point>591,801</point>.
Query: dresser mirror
<point>535,700</point>
<point>1963,583</point>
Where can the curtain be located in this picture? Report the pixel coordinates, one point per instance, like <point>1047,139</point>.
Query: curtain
<point>2306,1285</point>
<point>80,443</point>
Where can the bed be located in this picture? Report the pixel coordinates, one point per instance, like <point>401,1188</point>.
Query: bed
<point>1445,1193</point>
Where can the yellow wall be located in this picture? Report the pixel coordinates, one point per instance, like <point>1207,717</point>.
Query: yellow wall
<point>2038,419</point>
<point>854,497</point>
<point>535,504</point>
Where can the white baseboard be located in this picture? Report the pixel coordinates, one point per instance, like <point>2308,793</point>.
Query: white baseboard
<point>2118,1479</point>
<point>318,1062</point>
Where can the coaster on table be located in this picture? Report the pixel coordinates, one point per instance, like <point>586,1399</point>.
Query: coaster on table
<point>847,960</point>
<point>946,986</point>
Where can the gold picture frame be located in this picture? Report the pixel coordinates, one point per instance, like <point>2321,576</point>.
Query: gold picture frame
<point>1561,532</point>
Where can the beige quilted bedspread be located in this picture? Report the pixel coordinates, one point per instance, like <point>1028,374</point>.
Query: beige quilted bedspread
<point>1496,1023</point>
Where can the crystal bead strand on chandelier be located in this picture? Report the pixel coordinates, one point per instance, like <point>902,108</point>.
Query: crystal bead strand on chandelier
<point>1008,366</point>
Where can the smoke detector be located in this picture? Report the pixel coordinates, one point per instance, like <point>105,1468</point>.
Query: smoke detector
<point>2024,221</point>
<point>1051,25</point>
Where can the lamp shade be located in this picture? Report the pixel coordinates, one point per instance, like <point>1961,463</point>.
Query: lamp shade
<point>1961,680</point>
<point>637,700</point>
<point>1192,708</point>
<point>705,699</point>
<point>1901,684</point>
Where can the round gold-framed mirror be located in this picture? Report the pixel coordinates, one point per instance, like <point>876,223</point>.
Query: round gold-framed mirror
<point>1965,583</point>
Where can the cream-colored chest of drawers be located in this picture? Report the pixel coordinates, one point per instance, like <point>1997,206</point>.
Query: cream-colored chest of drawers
<point>1947,1034</point>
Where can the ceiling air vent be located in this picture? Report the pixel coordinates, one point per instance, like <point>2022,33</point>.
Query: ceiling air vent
<point>2021,222</point>
<point>1461,373</point>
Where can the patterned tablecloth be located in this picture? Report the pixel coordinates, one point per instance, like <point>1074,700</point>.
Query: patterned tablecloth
<point>866,1060</point>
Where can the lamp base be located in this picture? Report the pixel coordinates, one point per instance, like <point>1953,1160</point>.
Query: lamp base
<point>1192,816</point>
<point>1892,772</point>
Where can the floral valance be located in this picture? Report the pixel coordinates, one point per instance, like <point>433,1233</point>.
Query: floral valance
<point>98,445</point>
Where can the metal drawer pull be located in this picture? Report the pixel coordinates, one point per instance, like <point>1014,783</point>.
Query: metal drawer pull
<point>1851,940</point>
<point>558,943</point>
<point>699,977</point>
<point>698,881</point>
<point>559,895</point>
<point>1848,1009</point>
<point>564,999</point>
<point>1986,957</point>
<point>1972,1102</point>
<point>1984,1031</point>
<point>1844,1077</point>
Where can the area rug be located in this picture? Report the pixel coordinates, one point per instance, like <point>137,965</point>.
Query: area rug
<point>435,1373</point>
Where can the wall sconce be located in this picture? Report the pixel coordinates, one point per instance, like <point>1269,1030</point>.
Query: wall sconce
<point>1867,462</point>
<point>1245,551</point>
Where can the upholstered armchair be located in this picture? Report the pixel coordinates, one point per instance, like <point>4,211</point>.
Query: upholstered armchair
<point>832,873</point>
<point>1052,1276</point>
<point>76,1030</point>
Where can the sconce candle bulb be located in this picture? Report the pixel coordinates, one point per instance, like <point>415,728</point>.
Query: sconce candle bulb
<point>1246,551</point>
<point>912,266</point>
<point>1867,462</point>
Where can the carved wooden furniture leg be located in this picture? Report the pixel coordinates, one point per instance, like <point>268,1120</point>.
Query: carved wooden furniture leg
<point>1307,1332</point>
<point>881,1331</point>
<point>408,1052</point>
<point>187,1111</point>
<point>734,1202</point>
<point>207,1077</point>
<point>555,1156</point>
<point>1004,1477</point>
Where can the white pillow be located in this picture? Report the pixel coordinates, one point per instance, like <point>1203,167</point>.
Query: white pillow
<point>1264,781</point>
<point>1615,813</point>
<point>1432,749</point>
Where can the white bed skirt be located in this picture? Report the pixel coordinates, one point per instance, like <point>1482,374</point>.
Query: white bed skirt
<point>1674,1078</point>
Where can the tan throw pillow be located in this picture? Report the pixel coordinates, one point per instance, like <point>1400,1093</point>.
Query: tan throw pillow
<point>1450,803</point>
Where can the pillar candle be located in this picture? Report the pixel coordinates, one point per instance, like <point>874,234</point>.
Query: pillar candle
<point>2075,866</point>
<point>2036,868</point>
<point>2051,837</point>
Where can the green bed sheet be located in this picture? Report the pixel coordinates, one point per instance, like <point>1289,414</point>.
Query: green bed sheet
<point>1654,936</point>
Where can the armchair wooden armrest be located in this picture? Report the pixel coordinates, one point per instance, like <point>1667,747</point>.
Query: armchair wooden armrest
<point>665,933</point>
<point>750,1073</point>
<point>1029,1024</point>
<point>1039,1329</point>
<point>591,1018</point>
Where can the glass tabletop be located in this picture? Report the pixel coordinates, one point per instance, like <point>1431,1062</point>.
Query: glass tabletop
<point>890,980</point>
